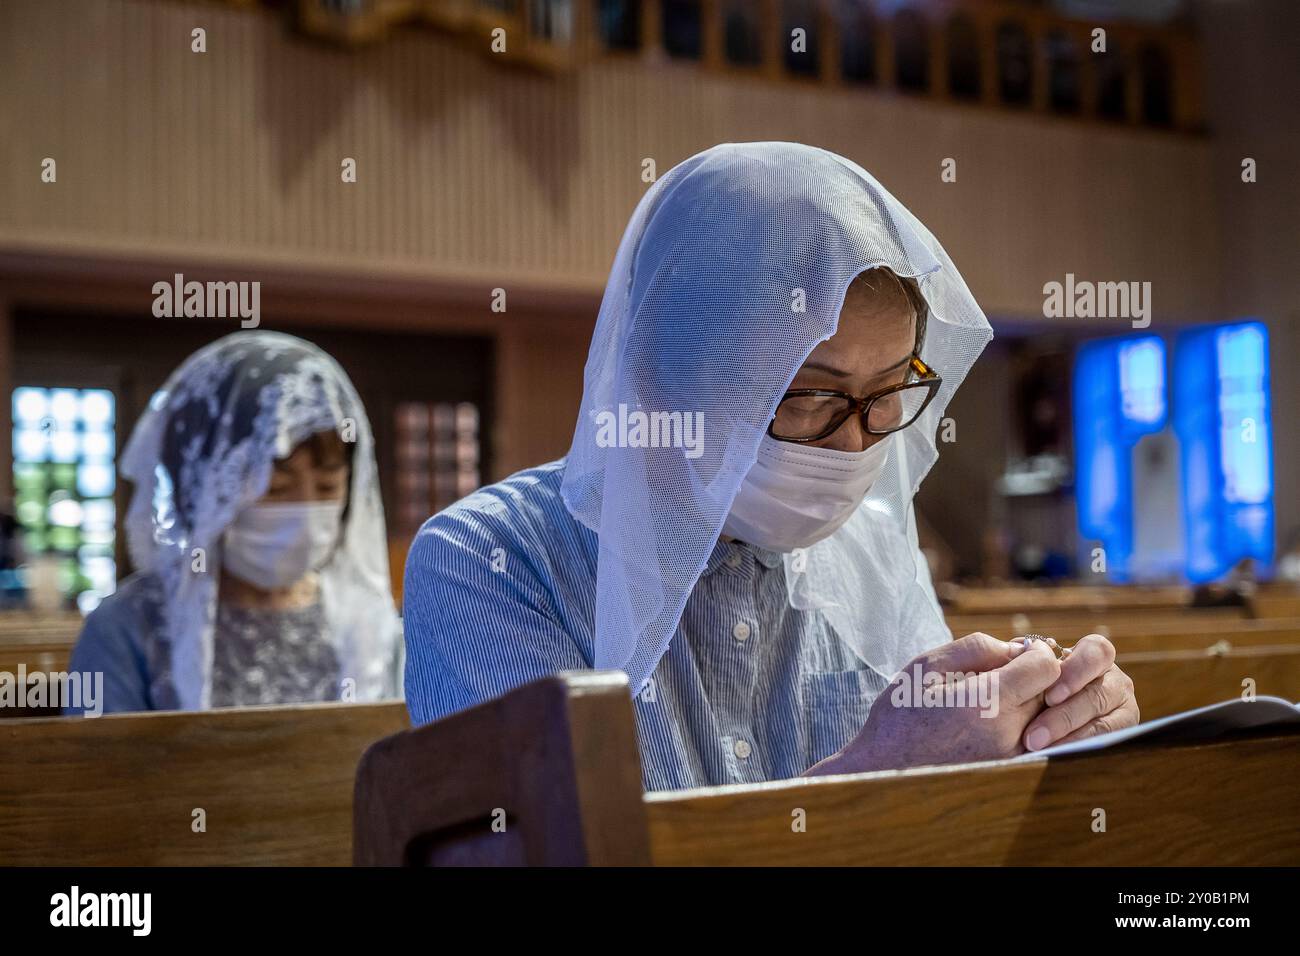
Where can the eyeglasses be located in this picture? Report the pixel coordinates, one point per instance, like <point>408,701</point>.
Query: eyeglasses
<point>811,414</point>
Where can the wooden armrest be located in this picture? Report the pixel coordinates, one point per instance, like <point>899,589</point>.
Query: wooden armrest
<point>548,773</point>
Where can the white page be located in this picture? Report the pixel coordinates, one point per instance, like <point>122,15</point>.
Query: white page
<point>1203,723</point>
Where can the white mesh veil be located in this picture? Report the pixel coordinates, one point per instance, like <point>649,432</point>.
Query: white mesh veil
<point>702,314</point>
<point>205,449</point>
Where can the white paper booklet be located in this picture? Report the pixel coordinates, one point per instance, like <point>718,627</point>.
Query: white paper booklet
<point>1203,723</point>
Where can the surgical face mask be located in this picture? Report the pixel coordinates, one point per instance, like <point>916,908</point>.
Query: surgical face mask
<point>796,495</point>
<point>273,545</point>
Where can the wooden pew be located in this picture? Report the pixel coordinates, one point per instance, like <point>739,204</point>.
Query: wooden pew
<point>1184,635</point>
<point>275,784</point>
<point>35,655</point>
<point>29,644</point>
<point>41,641</point>
<point>27,626</point>
<point>1070,611</point>
<point>1275,600</point>
<point>1169,682</point>
<point>28,622</point>
<point>1164,806</point>
<point>1117,622</point>
<point>1188,632</point>
<point>1136,619</point>
<point>556,761</point>
<point>1009,599</point>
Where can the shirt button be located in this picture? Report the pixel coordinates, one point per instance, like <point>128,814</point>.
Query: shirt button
<point>743,750</point>
<point>734,559</point>
<point>741,632</point>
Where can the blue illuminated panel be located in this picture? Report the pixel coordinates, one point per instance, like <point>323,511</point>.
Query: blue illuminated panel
<point>1119,396</point>
<point>1224,425</point>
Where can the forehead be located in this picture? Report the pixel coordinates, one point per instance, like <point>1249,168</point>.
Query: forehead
<point>871,328</point>
<point>322,450</point>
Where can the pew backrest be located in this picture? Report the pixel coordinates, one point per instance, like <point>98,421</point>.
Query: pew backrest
<point>1169,682</point>
<point>243,786</point>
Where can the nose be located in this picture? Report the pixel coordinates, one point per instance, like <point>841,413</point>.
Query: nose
<point>304,485</point>
<point>850,436</point>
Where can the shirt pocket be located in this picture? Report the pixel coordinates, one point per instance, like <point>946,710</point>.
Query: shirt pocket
<point>835,706</point>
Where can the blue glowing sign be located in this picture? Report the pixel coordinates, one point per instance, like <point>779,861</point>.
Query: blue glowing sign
<point>1224,425</point>
<point>1220,401</point>
<point>1119,396</point>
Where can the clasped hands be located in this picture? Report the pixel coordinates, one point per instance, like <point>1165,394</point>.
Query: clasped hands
<point>1036,701</point>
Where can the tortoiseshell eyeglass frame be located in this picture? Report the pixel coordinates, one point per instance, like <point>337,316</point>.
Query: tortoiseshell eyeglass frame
<point>926,376</point>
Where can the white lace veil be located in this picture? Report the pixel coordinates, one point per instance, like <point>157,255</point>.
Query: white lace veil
<point>204,450</point>
<point>734,266</point>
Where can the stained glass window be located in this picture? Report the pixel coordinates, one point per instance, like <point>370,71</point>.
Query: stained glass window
<point>64,449</point>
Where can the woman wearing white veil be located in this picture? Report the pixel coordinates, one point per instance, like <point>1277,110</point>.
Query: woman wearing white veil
<point>257,533</point>
<point>733,523</point>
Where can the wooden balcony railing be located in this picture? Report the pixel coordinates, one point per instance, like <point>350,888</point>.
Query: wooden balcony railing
<point>992,53</point>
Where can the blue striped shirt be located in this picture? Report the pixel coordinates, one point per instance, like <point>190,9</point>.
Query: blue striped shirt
<point>500,589</point>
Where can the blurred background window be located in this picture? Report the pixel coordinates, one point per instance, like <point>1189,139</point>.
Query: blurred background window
<point>347,6</point>
<point>1150,11</point>
<point>1015,65</point>
<point>963,58</point>
<point>681,23</point>
<point>857,41</point>
<point>742,38</point>
<point>620,24</point>
<point>911,52</point>
<point>551,20</point>
<point>1063,91</point>
<point>64,451</point>
<point>1157,95</point>
<point>800,15</point>
<point>1112,98</point>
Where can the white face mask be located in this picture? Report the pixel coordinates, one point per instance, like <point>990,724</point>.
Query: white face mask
<point>273,545</point>
<point>796,495</point>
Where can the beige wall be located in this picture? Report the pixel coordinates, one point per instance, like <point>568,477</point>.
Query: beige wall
<point>472,169</point>
<point>1253,73</point>
<point>474,174</point>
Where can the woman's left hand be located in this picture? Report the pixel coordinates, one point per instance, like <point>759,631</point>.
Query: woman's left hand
<point>1092,696</point>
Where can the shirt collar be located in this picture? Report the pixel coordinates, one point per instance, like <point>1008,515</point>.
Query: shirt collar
<point>725,550</point>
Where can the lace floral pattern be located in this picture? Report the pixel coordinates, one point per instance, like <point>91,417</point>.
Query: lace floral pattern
<point>272,657</point>
<point>203,452</point>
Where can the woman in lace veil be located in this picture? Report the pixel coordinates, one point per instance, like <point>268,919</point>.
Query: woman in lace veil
<point>257,533</point>
<point>733,525</point>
